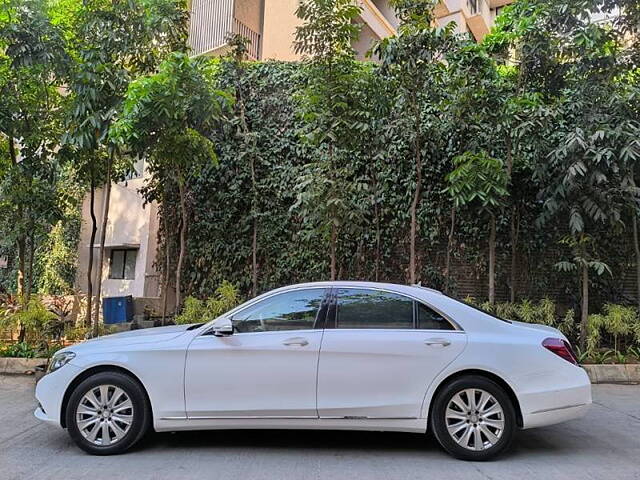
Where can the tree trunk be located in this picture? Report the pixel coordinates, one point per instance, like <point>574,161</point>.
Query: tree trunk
<point>413,277</point>
<point>22,252</point>
<point>447,265</point>
<point>254,258</point>
<point>334,238</point>
<point>514,254</point>
<point>183,243</point>
<point>376,216</point>
<point>29,276</point>
<point>94,228</point>
<point>165,279</point>
<point>251,148</point>
<point>21,284</point>
<point>21,241</point>
<point>636,246</point>
<point>103,235</point>
<point>584,314</point>
<point>492,261</point>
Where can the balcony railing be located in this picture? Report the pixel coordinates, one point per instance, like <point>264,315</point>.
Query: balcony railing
<point>473,6</point>
<point>210,24</point>
<point>253,48</point>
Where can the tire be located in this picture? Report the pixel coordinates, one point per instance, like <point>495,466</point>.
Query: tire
<point>123,421</point>
<point>473,436</point>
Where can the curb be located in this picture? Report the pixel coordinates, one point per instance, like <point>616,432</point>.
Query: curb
<point>21,366</point>
<point>627,373</point>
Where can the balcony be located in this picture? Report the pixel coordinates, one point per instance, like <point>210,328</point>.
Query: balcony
<point>377,21</point>
<point>210,24</point>
<point>478,18</point>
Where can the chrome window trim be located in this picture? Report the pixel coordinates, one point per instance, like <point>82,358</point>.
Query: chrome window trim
<point>206,329</point>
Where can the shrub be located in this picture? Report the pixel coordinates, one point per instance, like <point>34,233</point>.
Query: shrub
<point>202,311</point>
<point>18,350</point>
<point>34,318</point>
<point>616,320</point>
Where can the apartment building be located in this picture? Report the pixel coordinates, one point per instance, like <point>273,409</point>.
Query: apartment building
<point>270,24</point>
<point>131,234</point>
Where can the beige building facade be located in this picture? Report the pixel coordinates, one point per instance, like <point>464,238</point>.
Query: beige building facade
<point>130,241</point>
<point>270,25</point>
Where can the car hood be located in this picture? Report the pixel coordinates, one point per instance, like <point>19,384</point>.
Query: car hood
<point>144,335</point>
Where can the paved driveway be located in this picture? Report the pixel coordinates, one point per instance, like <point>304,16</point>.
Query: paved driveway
<point>603,445</point>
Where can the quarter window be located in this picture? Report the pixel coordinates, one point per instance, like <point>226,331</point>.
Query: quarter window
<point>361,308</point>
<point>296,310</point>
<point>429,319</point>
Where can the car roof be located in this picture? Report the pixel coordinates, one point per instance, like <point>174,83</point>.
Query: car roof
<point>409,289</point>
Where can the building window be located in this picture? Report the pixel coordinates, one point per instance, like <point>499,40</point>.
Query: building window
<point>123,264</point>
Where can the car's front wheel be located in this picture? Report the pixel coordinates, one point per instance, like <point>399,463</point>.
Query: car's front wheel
<point>473,418</point>
<point>107,413</point>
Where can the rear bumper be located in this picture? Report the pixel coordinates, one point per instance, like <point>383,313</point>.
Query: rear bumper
<point>558,405</point>
<point>558,415</point>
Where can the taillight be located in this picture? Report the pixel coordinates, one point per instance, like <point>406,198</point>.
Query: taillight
<point>560,347</point>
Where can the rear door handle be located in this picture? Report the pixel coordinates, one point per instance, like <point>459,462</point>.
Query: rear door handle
<point>437,341</point>
<point>296,341</point>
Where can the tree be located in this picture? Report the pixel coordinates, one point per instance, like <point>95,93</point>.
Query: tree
<point>249,148</point>
<point>326,184</point>
<point>587,178</point>
<point>414,62</point>
<point>480,179</point>
<point>33,65</point>
<point>168,118</point>
<point>115,41</point>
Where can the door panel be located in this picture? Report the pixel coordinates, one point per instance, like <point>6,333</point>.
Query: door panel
<point>380,373</point>
<point>383,367</point>
<point>267,367</point>
<point>253,374</point>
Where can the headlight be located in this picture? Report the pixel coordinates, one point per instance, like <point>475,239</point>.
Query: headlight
<point>60,360</point>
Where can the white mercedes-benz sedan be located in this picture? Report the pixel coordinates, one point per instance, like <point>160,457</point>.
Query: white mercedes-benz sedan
<point>330,355</point>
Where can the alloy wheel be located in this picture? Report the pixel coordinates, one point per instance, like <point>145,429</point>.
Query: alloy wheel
<point>104,415</point>
<point>475,419</point>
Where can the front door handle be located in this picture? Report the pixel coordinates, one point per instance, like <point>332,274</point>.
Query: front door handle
<point>437,341</point>
<point>296,342</point>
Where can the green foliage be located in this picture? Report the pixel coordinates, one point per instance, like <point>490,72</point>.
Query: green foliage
<point>18,350</point>
<point>477,178</point>
<point>619,321</point>
<point>202,311</point>
<point>34,318</point>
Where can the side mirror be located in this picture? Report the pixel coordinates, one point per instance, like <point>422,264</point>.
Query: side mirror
<point>223,328</point>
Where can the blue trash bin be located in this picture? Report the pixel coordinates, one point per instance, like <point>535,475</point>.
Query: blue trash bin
<point>117,309</point>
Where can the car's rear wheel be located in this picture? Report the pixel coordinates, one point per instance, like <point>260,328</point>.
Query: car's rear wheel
<point>107,413</point>
<point>473,418</point>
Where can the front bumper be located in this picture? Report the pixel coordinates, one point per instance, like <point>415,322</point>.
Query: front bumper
<point>50,392</point>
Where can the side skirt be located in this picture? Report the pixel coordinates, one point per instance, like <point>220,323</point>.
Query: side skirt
<point>413,425</point>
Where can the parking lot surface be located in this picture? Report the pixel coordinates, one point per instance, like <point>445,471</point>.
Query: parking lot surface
<point>603,445</point>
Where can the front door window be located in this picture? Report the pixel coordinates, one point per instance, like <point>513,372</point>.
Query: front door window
<point>295,310</point>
